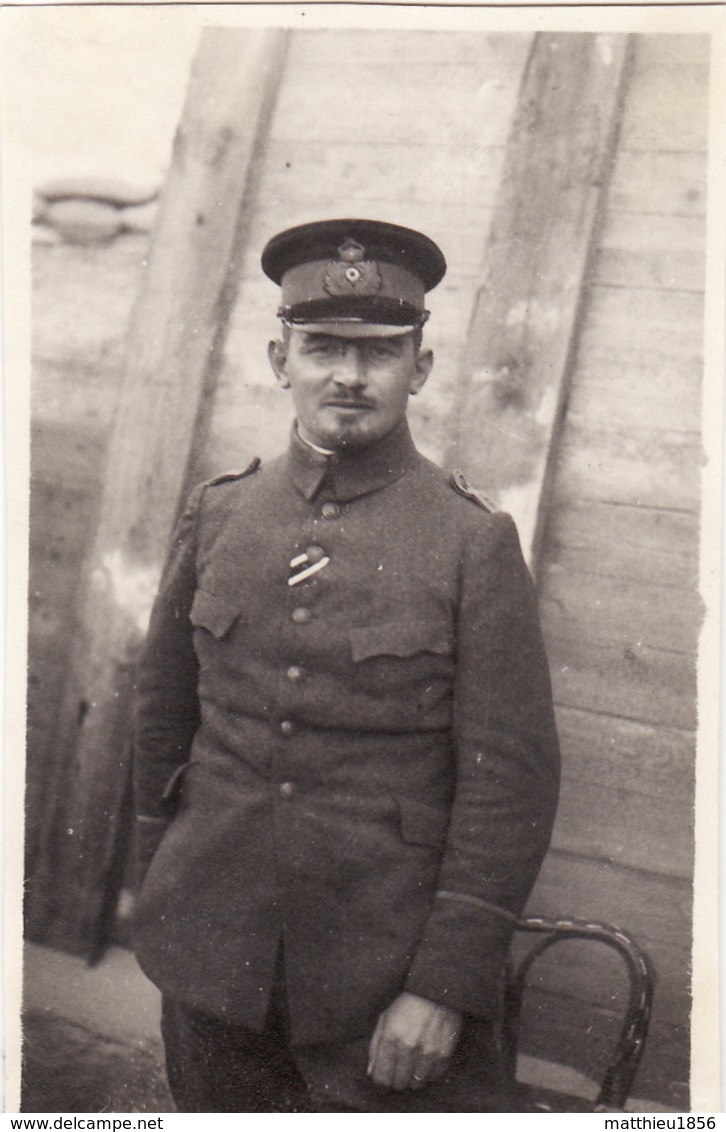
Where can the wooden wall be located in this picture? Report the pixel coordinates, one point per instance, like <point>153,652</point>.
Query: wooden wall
<point>82,297</point>
<point>618,572</point>
<point>618,580</point>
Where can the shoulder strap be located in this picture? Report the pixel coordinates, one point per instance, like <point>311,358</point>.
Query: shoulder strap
<point>227,477</point>
<point>460,484</point>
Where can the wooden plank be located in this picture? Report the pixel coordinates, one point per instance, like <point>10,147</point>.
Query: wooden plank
<point>69,389</point>
<point>624,542</point>
<point>667,103</point>
<point>671,54</point>
<point>644,318</point>
<point>648,183</point>
<point>60,521</point>
<point>666,252</point>
<point>68,453</point>
<point>174,332</point>
<point>622,827</point>
<point>436,100</point>
<point>83,294</point>
<point>606,612</point>
<point>635,682</point>
<point>640,387</point>
<point>515,376</point>
<point>655,909</point>
<point>620,754</point>
<point>638,467</point>
<point>325,49</point>
<point>298,171</point>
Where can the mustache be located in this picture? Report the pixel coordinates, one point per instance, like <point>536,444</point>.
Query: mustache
<point>352,400</point>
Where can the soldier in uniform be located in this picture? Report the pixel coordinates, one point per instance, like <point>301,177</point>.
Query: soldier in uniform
<point>346,756</point>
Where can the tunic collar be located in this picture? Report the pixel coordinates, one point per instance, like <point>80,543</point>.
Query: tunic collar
<point>348,474</point>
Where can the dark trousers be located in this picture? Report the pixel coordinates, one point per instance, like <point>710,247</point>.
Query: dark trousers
<point>215,1066</point>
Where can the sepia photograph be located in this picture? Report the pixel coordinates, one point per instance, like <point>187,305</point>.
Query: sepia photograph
<point>364,514</point>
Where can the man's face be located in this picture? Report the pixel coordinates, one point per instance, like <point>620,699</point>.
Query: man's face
<point>349,392</point>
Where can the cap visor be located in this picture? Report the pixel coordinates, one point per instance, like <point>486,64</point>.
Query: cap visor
<point>351,329</point>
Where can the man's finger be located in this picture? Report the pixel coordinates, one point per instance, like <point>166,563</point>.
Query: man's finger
<point>383,1065</point>
<point>373,1048</point>
<point>424,1071</point>
<point>405,1061</point>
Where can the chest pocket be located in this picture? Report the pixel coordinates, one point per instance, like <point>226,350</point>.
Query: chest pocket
<point>214,613</point>
<point>401,638</point>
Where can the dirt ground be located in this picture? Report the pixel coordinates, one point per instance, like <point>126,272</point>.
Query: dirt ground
<point>67,1068</point>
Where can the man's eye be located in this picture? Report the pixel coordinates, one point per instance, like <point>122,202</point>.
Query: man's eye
<point>381,351</point>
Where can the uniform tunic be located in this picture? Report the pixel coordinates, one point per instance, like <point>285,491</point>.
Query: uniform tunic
<point>364,762</point>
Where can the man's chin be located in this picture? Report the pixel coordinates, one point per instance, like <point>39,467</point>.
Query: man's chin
<point>349,434</point>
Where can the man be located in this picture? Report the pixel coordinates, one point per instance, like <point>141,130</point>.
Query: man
<point>345,745</point>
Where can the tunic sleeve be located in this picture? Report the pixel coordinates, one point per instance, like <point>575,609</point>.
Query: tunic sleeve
<point>167,707</point>
<point>507,779</point>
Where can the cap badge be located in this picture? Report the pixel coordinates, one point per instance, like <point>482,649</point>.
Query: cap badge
<point>351,274</point>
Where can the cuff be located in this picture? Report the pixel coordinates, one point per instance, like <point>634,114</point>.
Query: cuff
<point>462,953</point>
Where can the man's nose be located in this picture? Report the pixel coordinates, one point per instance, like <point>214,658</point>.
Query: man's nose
<point>351,368</point>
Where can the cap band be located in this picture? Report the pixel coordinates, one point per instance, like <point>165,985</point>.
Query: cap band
<point>338,279</point>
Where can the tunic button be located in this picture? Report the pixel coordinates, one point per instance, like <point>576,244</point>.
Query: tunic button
<point>301,615</point>
<point>330,511</point>
<point>314,554</point>
<point>287,789</point>
<point>287,727</point>
<point>294,673</point>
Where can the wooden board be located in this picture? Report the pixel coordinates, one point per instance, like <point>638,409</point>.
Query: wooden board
<point>172,343</point>
<point>650,182</point>
<point>468,102</point>
<point>69,454</point>
<point>520,341</point>
<point>634,682</point>
<point>376,171</point>
<point>622,827</point>
<point>667,252</point>
<point>643,387</point>
<point>627,543</point>
<point>656,910</point>
<point>643,318</point>
<point>656,468</point>
<point>605,612</point>
<point>92,288</point>
<point>667,103</point>
<point>622,755</point>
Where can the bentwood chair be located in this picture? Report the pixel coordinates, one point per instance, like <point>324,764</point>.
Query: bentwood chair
<point>617,1079</point>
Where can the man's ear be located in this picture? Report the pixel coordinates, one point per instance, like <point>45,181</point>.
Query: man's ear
<point>424,365</point>
<point>277,355</point>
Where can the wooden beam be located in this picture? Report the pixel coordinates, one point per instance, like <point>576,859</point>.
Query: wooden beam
<point>174,344</point>
<point>525,317</point>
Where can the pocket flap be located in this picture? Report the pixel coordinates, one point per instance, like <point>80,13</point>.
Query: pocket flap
<point>401,638</point>
<point>422,823</point>
<point>214,613</point>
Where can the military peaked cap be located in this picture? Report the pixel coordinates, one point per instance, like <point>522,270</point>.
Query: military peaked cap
<point>353,277</point>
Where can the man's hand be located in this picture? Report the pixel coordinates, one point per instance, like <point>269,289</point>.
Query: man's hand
<point>412,1042</point>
